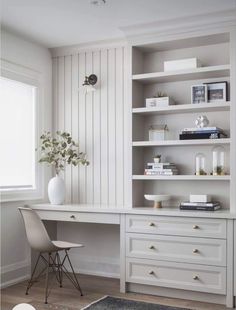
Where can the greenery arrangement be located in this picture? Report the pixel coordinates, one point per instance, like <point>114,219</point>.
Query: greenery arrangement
<point>60,150</point>
<point>160,94</point>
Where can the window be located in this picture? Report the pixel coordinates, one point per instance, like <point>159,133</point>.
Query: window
<point>17,134</point>
<point>21,177</point>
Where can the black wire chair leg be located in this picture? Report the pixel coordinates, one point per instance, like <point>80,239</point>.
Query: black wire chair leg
<point>30,283</point>
<point>74,275</point>
<point>46,281</point>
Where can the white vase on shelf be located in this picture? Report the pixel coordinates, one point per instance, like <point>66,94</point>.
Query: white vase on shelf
<point>56,190</point>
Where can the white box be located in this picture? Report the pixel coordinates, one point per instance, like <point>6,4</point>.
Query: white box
<point>200,198</point>
<point>181,64</point>
<point>159,102</point>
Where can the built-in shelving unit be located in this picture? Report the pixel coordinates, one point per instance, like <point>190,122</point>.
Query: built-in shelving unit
<point>147,78</point>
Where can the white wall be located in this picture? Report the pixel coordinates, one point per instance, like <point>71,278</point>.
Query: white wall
<point>15,254</point>
<point>99,121</point>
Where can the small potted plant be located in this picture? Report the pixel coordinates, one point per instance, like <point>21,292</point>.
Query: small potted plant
<point>160,99</point>
<point>58,151</point>
<point>157,158</point>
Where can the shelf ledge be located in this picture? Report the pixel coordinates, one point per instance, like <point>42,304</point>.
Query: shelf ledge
<point>182,177</point>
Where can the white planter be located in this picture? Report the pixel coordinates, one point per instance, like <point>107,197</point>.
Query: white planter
<point>56,190</point>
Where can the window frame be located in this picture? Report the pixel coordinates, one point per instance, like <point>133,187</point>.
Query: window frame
<point>28,76</point>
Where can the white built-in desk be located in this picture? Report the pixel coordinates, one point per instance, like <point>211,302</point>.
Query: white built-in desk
<point>167,252</point>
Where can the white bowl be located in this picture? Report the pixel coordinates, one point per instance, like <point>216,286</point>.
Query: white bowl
<point>157,199</point>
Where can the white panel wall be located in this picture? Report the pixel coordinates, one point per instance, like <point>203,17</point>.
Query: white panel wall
<point>97,120</point>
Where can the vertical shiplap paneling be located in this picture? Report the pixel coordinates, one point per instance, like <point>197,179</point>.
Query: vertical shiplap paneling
<point>68,120</point>
<point>98,121</point>
<point>119,104</point>
<point>75,123</point>
<point>82,128</point>
<point>55,93</point>
<point>97,130</point>
<point>104,127</point>
<point>112,126</point>
<point>61,96</point>
<point>89,132</point>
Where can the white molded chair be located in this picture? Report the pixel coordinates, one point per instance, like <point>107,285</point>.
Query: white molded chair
<point>48,251</point>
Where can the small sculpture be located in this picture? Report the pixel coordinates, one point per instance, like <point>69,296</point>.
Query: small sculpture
<point>202,121</point>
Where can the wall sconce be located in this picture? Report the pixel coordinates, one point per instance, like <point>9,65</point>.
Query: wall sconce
<point>89,83</point>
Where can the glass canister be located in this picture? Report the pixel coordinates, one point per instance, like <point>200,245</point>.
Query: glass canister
<point>218,160</point>
<point>200,164</point>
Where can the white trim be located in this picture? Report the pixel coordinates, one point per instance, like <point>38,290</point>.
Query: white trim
<point>15,281</point>
<point>210,21</point>
<point>86,47</point>
<point>32,77</point>
<point>98,273</point>
<point>15,266</point>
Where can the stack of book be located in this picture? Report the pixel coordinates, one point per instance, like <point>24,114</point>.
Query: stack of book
<point>202,133</point>
<point>161,169</point>
<point>201,206</point>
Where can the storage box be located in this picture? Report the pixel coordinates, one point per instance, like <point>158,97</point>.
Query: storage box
<point>158,133</point>
<point>200,198</point>
<point>159,102</point>
<point>181,64</point>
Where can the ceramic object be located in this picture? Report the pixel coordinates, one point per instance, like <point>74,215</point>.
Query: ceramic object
<point>157,199</point>
<point>56,190</point>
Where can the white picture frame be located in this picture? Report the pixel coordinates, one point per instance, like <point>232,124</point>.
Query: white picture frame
<point>199,94</point>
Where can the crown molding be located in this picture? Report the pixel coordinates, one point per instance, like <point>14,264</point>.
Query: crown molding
<point>146,33</point>
<point>87,47</point>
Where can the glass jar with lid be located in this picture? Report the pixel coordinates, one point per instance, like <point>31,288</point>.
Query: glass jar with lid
<point>218,160</point>
<point>200,164</point>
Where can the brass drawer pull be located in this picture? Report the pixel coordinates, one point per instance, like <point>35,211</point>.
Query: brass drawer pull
<point>72,217</point>
<point>195,251</point>
<point>152,247</point>
<point>195,278</point>
<point>151,224</point>
<point>151,272</point>
<point>195,226</point>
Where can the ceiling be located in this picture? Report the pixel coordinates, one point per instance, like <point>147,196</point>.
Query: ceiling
<point>55,23</point>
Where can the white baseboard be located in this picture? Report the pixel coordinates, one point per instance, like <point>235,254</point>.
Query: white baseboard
<point>98,273</point>
<point>15,273</point>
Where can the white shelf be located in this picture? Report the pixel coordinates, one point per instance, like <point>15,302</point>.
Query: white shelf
<point>184,108</point>
<point>190,74</point>
<point>182,142</point>
<point>182,177</point>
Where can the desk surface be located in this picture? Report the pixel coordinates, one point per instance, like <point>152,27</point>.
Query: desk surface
<point>91,208</point>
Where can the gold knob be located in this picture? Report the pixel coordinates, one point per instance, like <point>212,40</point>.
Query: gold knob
<point>195,277</point>
<point>151,272</point>
<point>72,217</point>
<point>195,226</point>
<point>151,224</point>
<point>151,247</point>
<point>195,251</point>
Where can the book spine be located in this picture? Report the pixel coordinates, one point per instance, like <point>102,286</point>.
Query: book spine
<point>199,136</point>
<point>200,132</point>
<point>199,208</point>
<point>200,204</point>
<point>202,129</point>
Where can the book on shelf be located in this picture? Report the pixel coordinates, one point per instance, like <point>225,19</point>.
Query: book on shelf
<point>160,169</point>
<point>200,204</point>
<point>200,208</point>
<point>201,132</point>
<point>213,135</point>
<point>203,129</point>
<point>160,165</point>
<point>160,172</point>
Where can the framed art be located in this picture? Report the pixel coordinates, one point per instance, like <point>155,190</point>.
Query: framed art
<point>217,91</point>
<point>199,94</point>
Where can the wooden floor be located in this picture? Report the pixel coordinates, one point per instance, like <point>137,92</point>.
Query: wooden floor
<point>67,298</point>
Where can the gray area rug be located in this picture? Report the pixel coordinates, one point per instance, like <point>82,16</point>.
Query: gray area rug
<point>113,303</point>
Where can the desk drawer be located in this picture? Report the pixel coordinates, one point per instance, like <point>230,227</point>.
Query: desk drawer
<point>177,249</point>
<point>192,277</point>
<point>83,217</point>
<point>164,225</point>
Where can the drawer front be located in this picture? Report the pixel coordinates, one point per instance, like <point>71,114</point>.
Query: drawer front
<point>82,217</point>
<point>194,227</point>
<point>177,249</point>
<point>199,278</point>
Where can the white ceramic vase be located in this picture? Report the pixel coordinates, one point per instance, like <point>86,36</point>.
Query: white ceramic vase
<point>56,190</point>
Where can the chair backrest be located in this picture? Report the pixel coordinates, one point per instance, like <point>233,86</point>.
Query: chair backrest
<point>36,232</point>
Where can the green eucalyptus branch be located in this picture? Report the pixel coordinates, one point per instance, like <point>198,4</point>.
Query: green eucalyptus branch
<point>60,150</point>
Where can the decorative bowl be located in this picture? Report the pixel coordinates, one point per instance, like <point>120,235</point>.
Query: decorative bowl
<point>157,199</point>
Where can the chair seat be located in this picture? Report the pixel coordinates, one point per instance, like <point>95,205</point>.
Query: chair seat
<point>66,245</point>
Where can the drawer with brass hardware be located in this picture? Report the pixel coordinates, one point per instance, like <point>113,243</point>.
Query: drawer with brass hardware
<point>164,225</point>
<point>177,249</point>
<point>208,279</point>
